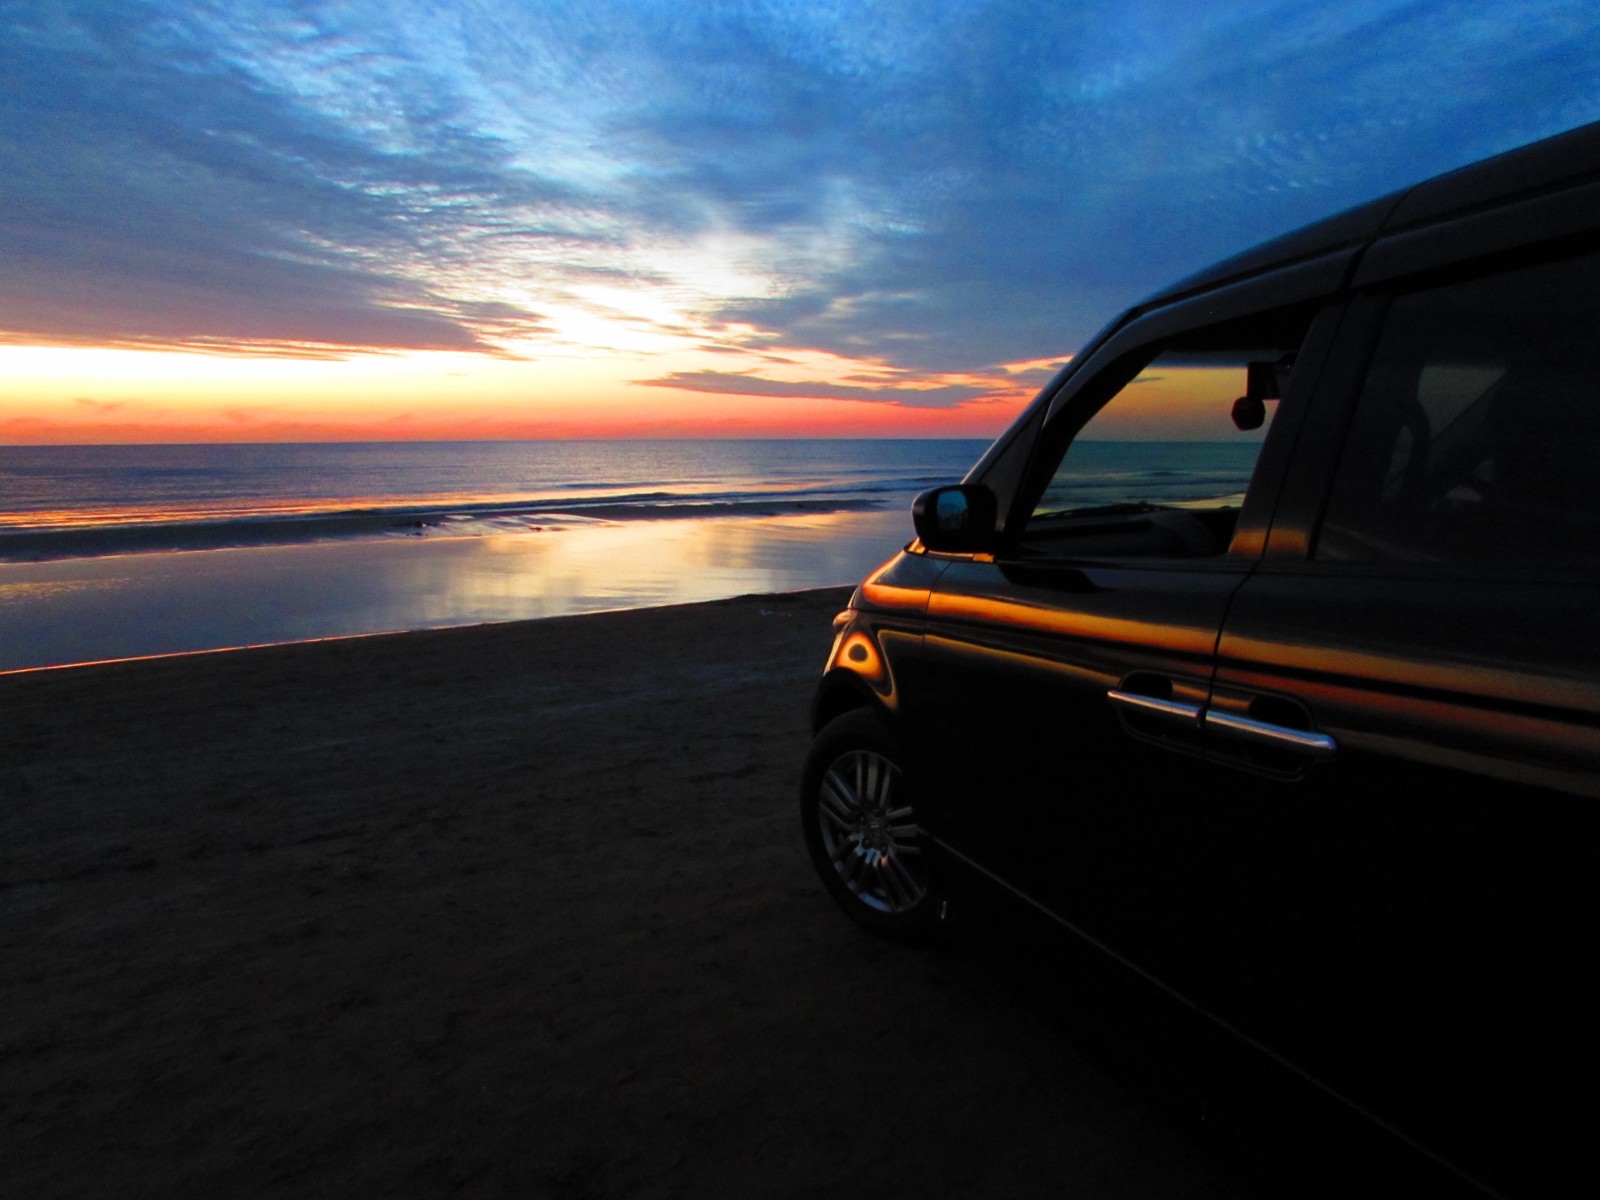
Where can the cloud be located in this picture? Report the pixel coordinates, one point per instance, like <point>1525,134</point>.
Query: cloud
<point>1036,377</point>
<point>736,383</point>
<point>1090,156</point>
<point>939,188</point>
<point>160,191</point>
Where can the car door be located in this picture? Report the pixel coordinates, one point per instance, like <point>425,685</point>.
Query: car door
<point>1060,681</point>
<point>1407,707</point>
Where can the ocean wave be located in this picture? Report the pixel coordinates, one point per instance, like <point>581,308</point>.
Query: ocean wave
<point>98,539</point>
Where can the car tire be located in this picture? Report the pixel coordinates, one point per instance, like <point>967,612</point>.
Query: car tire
<point>859,812</point>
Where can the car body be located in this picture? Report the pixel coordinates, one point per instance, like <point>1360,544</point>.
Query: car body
<point>1297,719</point>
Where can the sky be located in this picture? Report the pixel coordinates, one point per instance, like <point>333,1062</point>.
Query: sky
<point>379,219</point>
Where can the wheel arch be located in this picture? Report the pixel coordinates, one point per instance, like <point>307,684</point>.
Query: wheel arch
<point>843,691</point>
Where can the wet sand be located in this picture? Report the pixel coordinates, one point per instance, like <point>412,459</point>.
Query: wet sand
<point>79,610</point>
<point>517,910</point>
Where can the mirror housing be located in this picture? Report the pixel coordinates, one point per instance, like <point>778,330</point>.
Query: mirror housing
<point>956,520</point>
<point>1263,381</point>
<point>1249,412</point>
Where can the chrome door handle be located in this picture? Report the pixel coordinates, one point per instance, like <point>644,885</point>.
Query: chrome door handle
<point>1279,737</point>
<point>1151,706</point>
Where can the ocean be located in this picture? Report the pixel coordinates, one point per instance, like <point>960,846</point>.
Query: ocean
<point>122,551</point>
<point>75,501</point>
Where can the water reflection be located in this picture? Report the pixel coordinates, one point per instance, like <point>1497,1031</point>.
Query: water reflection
<point>82,610</point>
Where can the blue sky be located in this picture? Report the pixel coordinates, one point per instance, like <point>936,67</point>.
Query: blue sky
<point>920,193</point>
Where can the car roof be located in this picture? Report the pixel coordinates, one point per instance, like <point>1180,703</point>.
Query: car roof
<point>1556,162</point>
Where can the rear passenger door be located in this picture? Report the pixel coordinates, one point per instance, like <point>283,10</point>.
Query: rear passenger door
<point>1404,857</point>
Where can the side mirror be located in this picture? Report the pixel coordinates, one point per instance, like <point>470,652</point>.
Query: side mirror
<point>956,520</point>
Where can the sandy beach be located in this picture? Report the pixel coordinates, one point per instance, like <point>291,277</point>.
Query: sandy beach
<point>517,910</point>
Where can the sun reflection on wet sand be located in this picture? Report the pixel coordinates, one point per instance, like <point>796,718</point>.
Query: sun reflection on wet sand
<point>87,610</point>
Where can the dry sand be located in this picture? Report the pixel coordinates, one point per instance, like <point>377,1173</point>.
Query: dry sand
<point>517,910</point>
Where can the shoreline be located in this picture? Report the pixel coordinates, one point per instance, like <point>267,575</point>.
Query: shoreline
<point>843,590</point>
<point>512,909</point>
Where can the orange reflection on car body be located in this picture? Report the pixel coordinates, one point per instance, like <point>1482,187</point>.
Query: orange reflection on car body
<point>880,592</point>
<point>1012,615</point>
<point>857,652</point>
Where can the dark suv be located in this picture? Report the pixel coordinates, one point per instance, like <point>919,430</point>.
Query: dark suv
<point>1262,653</point>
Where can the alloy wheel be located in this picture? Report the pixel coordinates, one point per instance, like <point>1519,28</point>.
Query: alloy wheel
<point>870,832</point>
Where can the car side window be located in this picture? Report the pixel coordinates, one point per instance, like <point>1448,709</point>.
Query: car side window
<point>1161,469</point>
<point>1475,436</point>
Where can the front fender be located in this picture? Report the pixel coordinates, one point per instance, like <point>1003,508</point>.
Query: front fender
<point>887,616</point>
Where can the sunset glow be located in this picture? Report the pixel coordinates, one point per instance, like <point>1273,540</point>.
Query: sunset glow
<point>60,394</point>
